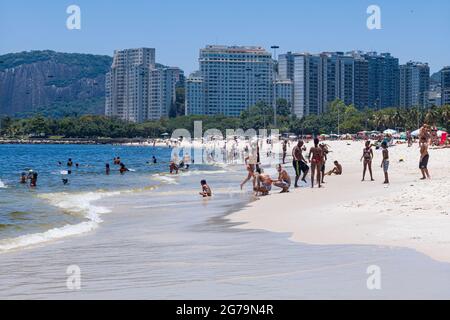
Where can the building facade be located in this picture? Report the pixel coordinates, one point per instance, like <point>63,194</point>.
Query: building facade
<point>445,86</point>
<point>284,90</point>
<point>414,85</point>
<point>234,78</point>
<point>136,89</point>
<point>365,80</point>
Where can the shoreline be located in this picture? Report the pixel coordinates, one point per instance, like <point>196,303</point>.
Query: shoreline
<point>408,213</point>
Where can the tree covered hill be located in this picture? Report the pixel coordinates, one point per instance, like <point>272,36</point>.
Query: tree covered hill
<point>52,83</point>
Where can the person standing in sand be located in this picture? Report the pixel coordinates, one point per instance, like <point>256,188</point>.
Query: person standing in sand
<point>315,157</point>
<point>250,163</point>
<point>284,151</point>
<point>424,158</point>
<point>385,162</point>
<point>324,148</point>
<point>367,156</point>
<point>299,163</point>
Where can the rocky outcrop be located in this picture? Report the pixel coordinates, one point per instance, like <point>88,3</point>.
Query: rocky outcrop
<point>30,81</point>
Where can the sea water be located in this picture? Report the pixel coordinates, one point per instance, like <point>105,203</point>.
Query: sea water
<point>52,210</point>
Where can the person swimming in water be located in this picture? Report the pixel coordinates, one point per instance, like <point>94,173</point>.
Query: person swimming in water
<point>23,178</point>
<point>123,168</point>
<point>33,176</point>
<point>206,190</point>
<point>107,169</point>
<point>315,157</point>
<point>173,167</point>
<point>154,160</point>
<point>69,163</point>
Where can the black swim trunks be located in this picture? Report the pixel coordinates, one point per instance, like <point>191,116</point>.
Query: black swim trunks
<point>424,163</point>
<point>299,167</point>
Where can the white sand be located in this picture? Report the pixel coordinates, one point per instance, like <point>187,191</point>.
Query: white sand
<point>408,213</point>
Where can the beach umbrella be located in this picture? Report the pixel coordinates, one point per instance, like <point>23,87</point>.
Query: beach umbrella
<point>390,131</point>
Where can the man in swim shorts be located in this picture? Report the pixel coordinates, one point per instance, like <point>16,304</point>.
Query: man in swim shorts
<point>424,158</point>
<point>284,180</point>
<point>299,163</point>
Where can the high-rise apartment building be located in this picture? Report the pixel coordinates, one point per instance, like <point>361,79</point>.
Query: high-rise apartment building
<point>414,84</point>
<point>286,66</point>
<point>445,86</point>
<point>234,78</point>
<point>284,90</point>
<point>195,94</point>
<point>384,82</point>
<point>366,80</point>
<point>136,90</point>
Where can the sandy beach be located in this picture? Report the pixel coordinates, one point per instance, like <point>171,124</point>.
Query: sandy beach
<point>408,213</point>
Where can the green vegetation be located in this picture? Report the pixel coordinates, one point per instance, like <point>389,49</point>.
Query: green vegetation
<point>62,109</point>
<point>257,117</point>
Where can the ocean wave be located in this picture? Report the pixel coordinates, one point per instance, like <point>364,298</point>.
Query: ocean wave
<point>78,204</point>
<point>165,179</point>
<point>3,185</point>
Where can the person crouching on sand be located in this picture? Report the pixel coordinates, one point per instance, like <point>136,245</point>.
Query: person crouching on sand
<point>206,190</point>
<point>337,170</point>
<point>263,184</point>
<point>284,180</point>
<point>385,162</point>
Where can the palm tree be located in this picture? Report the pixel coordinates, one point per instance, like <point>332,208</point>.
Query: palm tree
<point>432,116</point>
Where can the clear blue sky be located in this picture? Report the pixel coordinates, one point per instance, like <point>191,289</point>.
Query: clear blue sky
<point>412,30</point>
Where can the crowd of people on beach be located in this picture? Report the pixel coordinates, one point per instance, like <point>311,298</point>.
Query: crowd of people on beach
<point>303,163</point>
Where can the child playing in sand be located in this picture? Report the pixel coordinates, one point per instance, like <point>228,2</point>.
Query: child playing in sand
<point>385,162</point>
<point>206,190</point>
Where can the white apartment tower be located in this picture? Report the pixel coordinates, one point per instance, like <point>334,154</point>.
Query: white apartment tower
<point>231,79</point>
<point>136,89</point>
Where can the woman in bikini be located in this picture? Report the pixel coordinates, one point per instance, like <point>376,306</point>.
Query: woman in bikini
<point>316,162</point>
<point>368,157</point>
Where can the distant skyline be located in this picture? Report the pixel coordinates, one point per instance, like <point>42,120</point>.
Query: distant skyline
<point>413,30</point>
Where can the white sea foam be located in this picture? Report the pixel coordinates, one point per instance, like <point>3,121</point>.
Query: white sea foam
<point>164,179</point>
<point>2,185</point>
<point>79,204</point>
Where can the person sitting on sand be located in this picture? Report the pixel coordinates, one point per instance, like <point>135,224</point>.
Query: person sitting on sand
<point>385,162</point>
<point>424,158</point>
<point>284,180</point>
<point>123,168</point>
<point>337,170</point>
<point>206,190</point>
<point>263,184</point>
<point>367,156</point>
